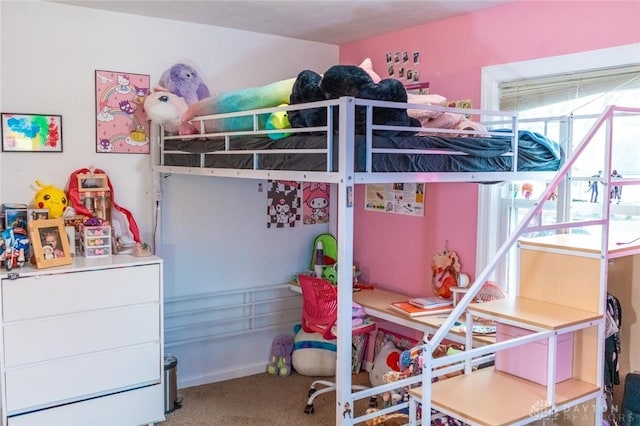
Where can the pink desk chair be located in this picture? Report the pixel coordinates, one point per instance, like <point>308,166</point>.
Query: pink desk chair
<point>319,315</point>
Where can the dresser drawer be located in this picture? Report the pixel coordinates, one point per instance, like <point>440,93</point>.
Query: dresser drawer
<point>47,295</point>
<point>66,335</point>
<point>72,379</point>
<point>131,408</point>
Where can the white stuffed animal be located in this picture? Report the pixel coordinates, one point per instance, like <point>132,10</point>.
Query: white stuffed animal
<point>166,108</point>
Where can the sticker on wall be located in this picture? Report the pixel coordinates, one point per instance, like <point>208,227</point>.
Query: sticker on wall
<point>121,123</point>
<point>399,198</point>
<point>316,203</point>
<point>283,206</point>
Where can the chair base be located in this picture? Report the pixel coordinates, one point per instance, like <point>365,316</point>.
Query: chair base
<point>314,392</point>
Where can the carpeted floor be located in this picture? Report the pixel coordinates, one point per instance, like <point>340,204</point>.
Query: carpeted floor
<point>257,400</point>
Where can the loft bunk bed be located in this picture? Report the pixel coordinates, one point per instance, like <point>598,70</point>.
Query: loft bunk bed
<point>356,148</point>
<point>356,141</point>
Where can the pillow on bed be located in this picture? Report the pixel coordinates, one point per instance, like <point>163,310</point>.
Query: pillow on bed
<point>367,65</point>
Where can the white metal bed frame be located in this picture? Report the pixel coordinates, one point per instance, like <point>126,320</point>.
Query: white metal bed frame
<point>346,177</point>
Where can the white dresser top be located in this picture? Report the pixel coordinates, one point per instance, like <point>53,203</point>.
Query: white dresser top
<point>81,263</point>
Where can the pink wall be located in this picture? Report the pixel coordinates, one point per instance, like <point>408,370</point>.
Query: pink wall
<point>395,251</point>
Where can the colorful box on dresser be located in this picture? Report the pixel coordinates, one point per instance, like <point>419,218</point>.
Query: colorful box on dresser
<point>95,241</point>
<point>530,361</point>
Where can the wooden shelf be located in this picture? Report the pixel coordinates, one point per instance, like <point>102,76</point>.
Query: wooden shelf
<point>493,398</point>
<point>549,316</point>
<point>587,244</point>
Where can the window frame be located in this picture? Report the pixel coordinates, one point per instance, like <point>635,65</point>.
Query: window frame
<point>490,205</point>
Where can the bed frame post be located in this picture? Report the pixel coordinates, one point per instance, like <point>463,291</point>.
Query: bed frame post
<point>344,412</point>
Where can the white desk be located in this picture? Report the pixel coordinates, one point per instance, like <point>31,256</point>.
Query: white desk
<point>376,304</point>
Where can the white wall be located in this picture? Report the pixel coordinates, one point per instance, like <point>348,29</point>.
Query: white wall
<point>209,228</point>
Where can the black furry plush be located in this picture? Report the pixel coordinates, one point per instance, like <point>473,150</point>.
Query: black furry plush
<point>348,80</point>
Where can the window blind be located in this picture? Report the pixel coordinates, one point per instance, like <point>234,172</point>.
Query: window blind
<point>521,95</point>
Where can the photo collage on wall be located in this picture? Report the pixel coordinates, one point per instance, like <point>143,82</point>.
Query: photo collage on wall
<point>402,65</point>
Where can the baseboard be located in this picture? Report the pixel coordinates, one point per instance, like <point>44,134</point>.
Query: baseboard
<point>219,376</point>
<point>248,370</point>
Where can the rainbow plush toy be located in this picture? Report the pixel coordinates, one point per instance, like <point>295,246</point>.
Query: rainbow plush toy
<point>270,95</point>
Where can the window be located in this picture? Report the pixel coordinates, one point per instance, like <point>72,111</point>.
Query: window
<point>572,96</point>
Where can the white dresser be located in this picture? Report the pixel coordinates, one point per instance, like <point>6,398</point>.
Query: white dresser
<point>83,344</point>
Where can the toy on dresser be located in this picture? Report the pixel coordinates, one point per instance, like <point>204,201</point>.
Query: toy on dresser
<point>52,198</point>
<point>95,241</point>
<point>14,247</point>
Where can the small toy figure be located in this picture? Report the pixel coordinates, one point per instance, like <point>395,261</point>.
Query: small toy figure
<point>527,190</point>
<point>593,187</point>
<point>13,246</point>
<point>616,190</point>
<point>347,410</point>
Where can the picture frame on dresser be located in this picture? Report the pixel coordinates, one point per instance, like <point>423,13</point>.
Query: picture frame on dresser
<point>50,243</point>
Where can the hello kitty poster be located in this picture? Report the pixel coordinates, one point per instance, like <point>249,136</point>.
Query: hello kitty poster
<point>121,122</point>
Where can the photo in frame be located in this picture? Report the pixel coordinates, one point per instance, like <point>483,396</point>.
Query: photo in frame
<point>31,132</point>
<point>15,218</point>
<point>37,214</point>
<point>121,122</point>
<point>50,243</point>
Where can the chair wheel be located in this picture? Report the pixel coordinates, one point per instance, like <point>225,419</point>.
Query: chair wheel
<point>311,392</point>
<point>373,402</point>
<point>308,409</point>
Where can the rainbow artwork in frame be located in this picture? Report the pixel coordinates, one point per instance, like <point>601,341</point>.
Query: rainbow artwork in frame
<point>121,122</point>
<point>31,132</point>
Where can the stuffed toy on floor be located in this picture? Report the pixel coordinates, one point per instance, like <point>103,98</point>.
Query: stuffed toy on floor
<point>280,356</point>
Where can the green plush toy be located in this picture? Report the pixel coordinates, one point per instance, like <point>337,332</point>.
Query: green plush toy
<point>278,120</point>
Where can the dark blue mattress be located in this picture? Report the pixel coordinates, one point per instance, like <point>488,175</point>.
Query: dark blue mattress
<point>536,153</point>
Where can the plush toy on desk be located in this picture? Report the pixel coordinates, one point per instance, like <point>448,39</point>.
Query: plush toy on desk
<point>280,356</point>
<point>166,108</point>
<point>446,269</point>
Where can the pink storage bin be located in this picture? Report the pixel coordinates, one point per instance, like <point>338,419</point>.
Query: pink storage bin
<point>529,361</point>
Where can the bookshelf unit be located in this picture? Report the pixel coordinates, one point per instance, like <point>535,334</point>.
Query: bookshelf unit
<point>562,289</point>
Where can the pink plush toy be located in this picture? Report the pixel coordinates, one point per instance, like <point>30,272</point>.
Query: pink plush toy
<point>166,108</point>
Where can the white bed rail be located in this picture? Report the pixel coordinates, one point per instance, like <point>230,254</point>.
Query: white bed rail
<point>206,126</point>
